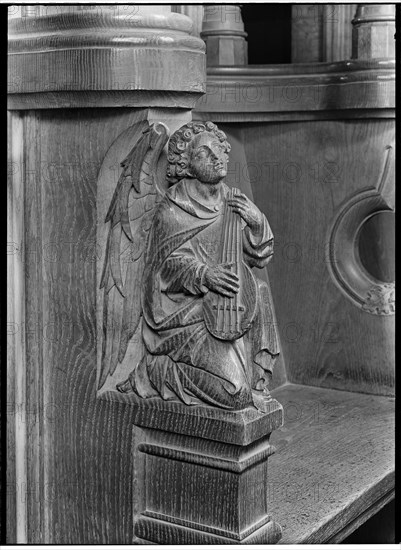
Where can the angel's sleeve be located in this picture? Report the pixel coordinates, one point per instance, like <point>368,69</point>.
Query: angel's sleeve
<point>183,272</point>
<point>258,245</point>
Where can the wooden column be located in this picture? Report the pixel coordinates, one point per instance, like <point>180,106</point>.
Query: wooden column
<point>321,32</point>
<point>373,34</point>
<point>80,79</point>
<point>223,32</point>
<point>337,31</point>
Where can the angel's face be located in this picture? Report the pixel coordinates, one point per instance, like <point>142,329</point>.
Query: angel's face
<point>208,159</point>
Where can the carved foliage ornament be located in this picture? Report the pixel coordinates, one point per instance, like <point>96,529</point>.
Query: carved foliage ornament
<point>380,299</point>
<point>183,278</point>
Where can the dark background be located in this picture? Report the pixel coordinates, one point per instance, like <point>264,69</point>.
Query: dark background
<point>269,33</point>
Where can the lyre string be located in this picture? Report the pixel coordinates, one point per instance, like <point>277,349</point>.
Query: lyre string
<point>227,308</point>
<point>231,236</point>
<point>233,259</point>
<point>239,250</point>
<point>221,302</point>
<point>229,246</point>
<point>227,254</point>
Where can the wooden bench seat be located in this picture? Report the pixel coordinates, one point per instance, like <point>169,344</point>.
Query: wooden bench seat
<point>334,465</point>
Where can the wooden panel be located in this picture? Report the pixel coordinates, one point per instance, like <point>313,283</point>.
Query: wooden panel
<point>334,462</point>
<point>81,446</point>
<point>301,175</point>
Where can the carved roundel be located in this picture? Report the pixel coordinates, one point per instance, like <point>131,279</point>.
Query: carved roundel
<point>348,270</point>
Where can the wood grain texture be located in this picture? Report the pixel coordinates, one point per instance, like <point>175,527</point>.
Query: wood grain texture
<point>16,473</point>
<point>38,404</point>
<point>302,175</point>
<point>334,462</point>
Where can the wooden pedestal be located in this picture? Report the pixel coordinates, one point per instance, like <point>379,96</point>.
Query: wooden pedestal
<point>202,474</point>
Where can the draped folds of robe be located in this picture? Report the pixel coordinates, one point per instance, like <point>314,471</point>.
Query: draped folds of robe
<point>182,358</point>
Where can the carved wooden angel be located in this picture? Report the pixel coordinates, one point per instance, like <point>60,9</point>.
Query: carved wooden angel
<point>205,320</point>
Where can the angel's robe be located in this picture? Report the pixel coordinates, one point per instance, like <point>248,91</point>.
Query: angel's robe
<point>182,358</point>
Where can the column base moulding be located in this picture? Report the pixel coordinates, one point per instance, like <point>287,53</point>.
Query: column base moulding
<point>102,52</point>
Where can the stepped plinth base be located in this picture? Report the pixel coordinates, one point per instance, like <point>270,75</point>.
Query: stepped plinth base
<point>201,474</point>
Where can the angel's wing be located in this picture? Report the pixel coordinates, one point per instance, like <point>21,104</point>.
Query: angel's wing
<point>130,216</point>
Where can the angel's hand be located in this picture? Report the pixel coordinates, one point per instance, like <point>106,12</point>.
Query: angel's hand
<point>250,213</point>
<point>220,279</point>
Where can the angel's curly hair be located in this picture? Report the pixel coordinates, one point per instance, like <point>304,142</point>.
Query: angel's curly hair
<point>178,154</point>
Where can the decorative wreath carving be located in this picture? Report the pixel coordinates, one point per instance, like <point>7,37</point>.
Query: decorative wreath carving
<point>343,258</point>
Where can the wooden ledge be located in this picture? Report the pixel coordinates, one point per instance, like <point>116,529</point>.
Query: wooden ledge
<point>334,462</point>
<point>289,70</point>
<point>269,92</point>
